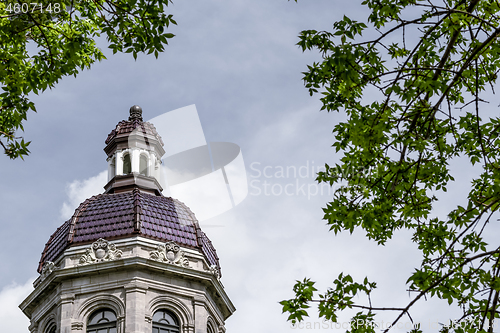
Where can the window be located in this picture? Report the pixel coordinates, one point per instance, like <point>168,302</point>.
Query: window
<point>52,328</point>
<point>143,165</point>
<point>165,322</point>
<point>102,321</point>
<point>127,164</point>
<point>209,329</point>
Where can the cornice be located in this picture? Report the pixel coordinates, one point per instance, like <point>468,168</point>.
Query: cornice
<point>128,264</point>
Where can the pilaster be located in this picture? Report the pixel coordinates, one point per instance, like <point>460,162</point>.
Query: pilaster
<point>135,311</point>
<point>66,307</point>
<point>200,315</point>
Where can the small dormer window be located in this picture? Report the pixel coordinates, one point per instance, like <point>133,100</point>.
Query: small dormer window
<point>127,164</point>
<point>143,165</point>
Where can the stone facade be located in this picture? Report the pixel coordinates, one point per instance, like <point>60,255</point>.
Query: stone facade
<point>134,285</point>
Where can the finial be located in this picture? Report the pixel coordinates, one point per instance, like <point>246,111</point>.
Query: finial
<point>135,113</point>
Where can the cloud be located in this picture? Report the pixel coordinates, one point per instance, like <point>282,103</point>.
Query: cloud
<point>80,190</point>
<point>11,317</point>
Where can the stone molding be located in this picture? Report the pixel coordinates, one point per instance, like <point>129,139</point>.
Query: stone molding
<point>66,299</point>
<point>175,304</point>
<point>77,326</point>
<point>170,253</point>
<point>213,269</point>
<point>33,327</point>
<point>101,250</point>
<point>188,328</point>
<point>135,286</point>
<point>47,269</point>
<point>139,262</point>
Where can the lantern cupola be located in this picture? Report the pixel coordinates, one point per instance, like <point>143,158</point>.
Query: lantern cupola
<point>134,149</point>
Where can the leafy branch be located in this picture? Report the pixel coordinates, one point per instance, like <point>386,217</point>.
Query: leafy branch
<point>427,113</point>
<point>63,32</point>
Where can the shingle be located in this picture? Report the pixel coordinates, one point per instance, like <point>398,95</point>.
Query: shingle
<point>127,126</point>
<point>161,218</point>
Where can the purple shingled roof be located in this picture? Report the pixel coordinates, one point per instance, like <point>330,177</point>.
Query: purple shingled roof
<point>122,215</point>
<point>128,126</point>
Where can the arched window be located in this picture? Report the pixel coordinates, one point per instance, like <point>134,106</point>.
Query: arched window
<point>165,322</point>
<point>127,164</point>
<point>51,328</point>
<point>102,321</point>
<point>210,329</point>
<point>143,165</point>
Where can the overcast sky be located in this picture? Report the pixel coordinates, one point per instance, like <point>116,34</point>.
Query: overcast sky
<point>238,63</point>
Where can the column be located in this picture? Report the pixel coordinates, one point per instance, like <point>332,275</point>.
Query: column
<point>111,167</point>
<point>134,158</point>
<point>157,168</point>
<point>152,165</point>
<point>119,163</point>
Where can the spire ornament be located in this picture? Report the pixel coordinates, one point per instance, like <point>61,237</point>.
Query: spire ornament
<point>135,113</point>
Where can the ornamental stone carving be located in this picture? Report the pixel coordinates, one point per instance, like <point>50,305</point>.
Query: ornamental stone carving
<point>48,268</point>
<point>170,253</point>
<point>213,269</point>
<point>100,250</point>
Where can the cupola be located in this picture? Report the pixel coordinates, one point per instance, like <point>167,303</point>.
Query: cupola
<point>134,151</point>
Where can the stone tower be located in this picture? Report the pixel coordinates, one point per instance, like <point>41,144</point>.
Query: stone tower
<point>129,260</point>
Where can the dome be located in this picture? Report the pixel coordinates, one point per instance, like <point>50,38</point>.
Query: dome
<point>130,214</point>
<point>125,127</point>
<point>132,204</point>
<point>130,254</point>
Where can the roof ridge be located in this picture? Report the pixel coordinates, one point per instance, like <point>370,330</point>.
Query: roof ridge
<point>137,195</point>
